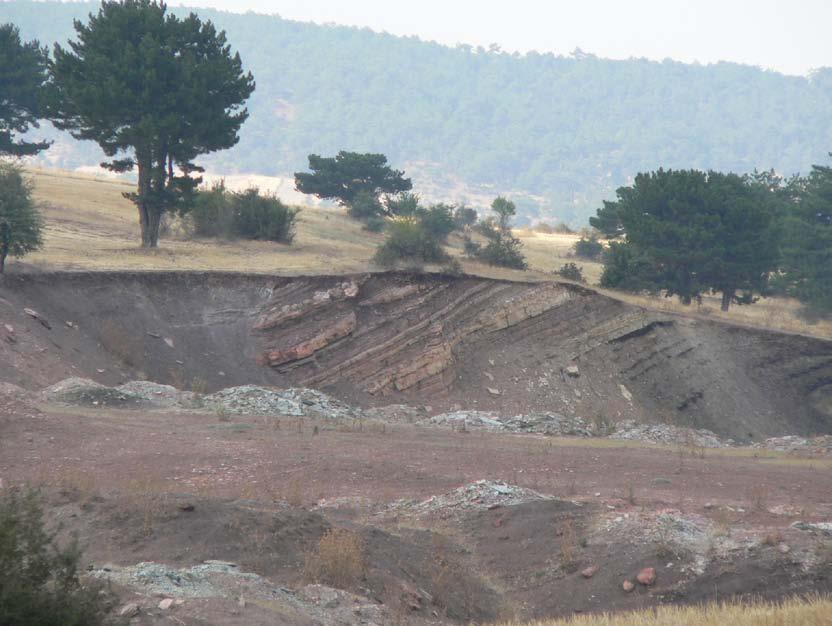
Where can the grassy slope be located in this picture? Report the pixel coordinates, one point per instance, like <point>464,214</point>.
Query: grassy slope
<point>91,226</point>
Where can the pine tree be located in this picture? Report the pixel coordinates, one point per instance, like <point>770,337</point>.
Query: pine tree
<point>155,92</point>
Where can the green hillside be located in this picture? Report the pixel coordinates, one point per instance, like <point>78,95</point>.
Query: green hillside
<point>569,129</point>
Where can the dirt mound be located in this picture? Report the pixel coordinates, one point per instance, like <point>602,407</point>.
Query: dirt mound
<point>420,340</point>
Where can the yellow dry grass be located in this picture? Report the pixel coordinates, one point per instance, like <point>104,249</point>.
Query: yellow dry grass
<point>813,611</point>
<point>91,226</point>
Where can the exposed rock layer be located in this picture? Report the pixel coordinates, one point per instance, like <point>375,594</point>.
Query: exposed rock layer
<point>447,343</point>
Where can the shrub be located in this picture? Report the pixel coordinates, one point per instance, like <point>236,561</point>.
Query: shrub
<point>409,240</point>
<point>504,251</point>
<point>339,560</point>
<point>589,248</point>
<point>20,222</point>
<point>40,584</point>
<point>465,217</point>
<point>471,248</point>
<point>406,204</point>
<point>438,221</point>
<point>262,217</point>
<point>375,224</point>
<point>364,206</point>
<point>212,212</point>
<point>247,215</point>
<point>570,271</point>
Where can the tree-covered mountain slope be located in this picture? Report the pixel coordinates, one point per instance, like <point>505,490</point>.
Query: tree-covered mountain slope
<point>558,133</point>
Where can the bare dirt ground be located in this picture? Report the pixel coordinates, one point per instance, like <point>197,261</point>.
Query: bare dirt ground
<point>180,488</point>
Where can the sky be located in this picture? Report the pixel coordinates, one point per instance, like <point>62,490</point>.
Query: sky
<point>790,36</point>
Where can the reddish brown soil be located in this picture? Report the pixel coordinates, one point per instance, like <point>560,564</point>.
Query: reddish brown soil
<point>100,466</point>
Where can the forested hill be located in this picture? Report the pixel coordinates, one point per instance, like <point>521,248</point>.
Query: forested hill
<point>569,129</point>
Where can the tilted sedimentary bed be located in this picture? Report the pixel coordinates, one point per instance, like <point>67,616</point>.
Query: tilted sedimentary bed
<point>435,341</point>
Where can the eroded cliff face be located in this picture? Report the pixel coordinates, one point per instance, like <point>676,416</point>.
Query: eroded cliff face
<point>441,342</point>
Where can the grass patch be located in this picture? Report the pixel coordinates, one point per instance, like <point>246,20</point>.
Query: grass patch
<point>814,611</point>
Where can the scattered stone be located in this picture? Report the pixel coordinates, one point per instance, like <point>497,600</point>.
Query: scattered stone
<point>88,392</point>
<point>792,444</point>
<point>784,548</point>
<point>628,586</point>
<point>166,604</point>
<point>647,576</point>
<point>493,391</point>
<point>657,482</point>
<point>168,342</point>
<point>483,494</point>
<point>590,571</point>
<point>573,371</point>
<point>667,434</point>
<point>129,610</point>
<point>824,528</point>
<point>254,400</point>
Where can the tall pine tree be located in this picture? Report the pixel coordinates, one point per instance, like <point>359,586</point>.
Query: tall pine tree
<point>155,92</point>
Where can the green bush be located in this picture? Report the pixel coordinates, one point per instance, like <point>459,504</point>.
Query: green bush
<point>262,217</point>
<point>375,224</point>
<point>247,215</point>
<point>503,250</point>
<point>570,271</point>
<point>364,206</point>
<point>409,240</point>
<point>406,204</point>
<point>465,217</point>
<point>20,221</point>
<point>589,248</point>
<point>438,220</point>
<point>212,212</point>
<point>39,581</point>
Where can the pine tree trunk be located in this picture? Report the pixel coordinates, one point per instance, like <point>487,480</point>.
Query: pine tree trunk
<point>148,214</point>
<point>727,297</point>
<point>5,244</point>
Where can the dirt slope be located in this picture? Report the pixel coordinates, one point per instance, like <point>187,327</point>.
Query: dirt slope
<point>417,339</point>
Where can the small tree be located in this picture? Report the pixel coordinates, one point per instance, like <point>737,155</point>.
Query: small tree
<point>503,248</point>
<point>20,221</point>
<point>589,248</point>
<point>349,174</point>
<point>438,220</point>
<point>41,584</point>
<point>406,204</point>
<point>22,76</point>
<point>465,217</point>
<point>155,92</point>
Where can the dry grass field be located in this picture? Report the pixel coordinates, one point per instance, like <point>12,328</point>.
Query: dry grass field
<point>91,226</point>
<point>811,612</point>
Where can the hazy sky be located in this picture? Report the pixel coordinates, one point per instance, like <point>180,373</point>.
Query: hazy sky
<point>791,36</point>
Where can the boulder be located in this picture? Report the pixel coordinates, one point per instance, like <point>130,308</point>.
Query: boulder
<point>647,576</point>
<point>590,571</point>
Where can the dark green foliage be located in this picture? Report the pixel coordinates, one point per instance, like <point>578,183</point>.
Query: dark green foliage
<point>570,271</point>
<point>409,241</point>
<point>471,248</point>
<point>22,75</point>
<point>438,221</point>
<point>588,248</point>
<point>580,126</point>
<point>154,92</point>
<point>350,176</point>
<point>503,248</point>
<point>405,204</point>
<point>465,217</point>
<point>375,223</point>
<point>365,206</point>
<point>807,241</point>
<point>262,217</point>
<point>40,583</point>
<point>247,215</point>
<point>212,212</point>
<point>689,232</point>
<point>20,221</point>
